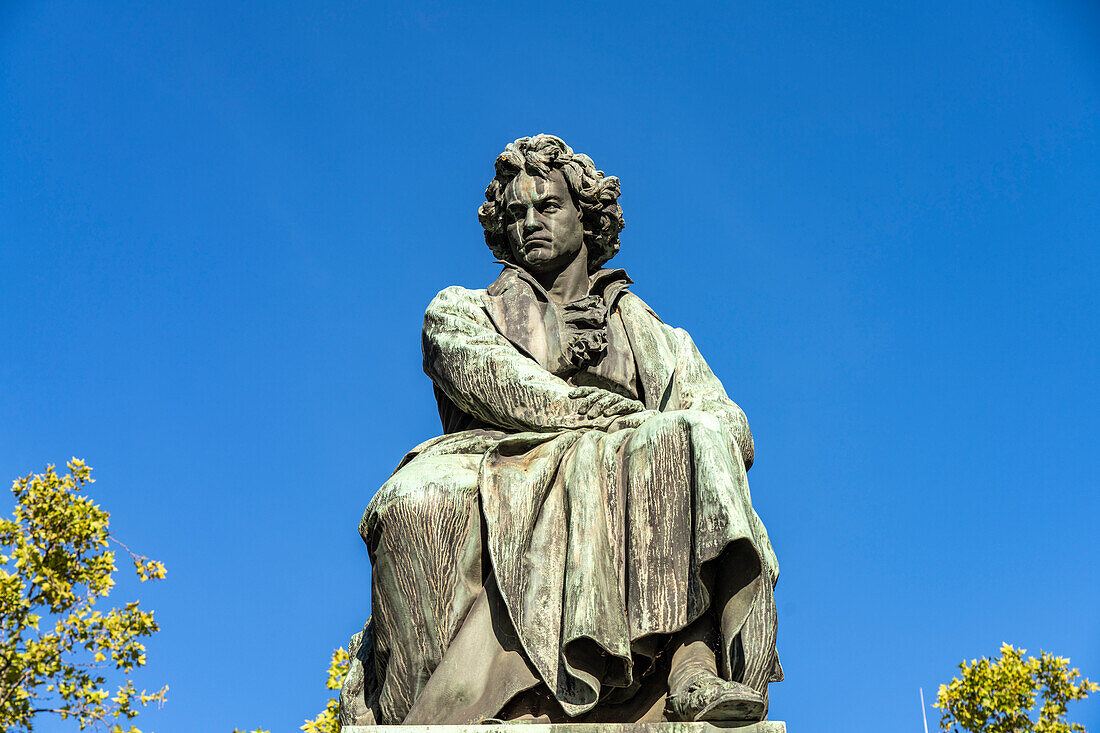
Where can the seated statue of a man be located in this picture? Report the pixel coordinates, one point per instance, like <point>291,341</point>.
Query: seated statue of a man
<point>580,544</point>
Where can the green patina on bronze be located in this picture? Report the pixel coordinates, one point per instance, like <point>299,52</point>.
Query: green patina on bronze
<point>580,544</point>
<point>765,727</point>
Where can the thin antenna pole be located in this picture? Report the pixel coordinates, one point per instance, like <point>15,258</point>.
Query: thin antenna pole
<point>923,713</point>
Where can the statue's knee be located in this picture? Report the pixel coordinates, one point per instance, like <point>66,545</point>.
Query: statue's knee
<point>661,421</point>
<point>682,427</point>
<point>684,421</point>
<point>655,430</point>
<point>702,421</point>
<point>418,495</point>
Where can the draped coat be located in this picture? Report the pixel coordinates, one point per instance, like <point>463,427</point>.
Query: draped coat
<point>594,539</point>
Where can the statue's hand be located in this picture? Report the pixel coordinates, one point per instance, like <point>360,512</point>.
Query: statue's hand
<point>594,402</point>
<point>633,420</point>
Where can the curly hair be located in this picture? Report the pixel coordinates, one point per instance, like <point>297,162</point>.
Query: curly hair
<point>594,194</point>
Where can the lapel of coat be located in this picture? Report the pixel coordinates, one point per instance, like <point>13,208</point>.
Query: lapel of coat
<point>518,313</point>
<point>518,310</point>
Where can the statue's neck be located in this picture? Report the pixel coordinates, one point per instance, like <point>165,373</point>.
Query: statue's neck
<point>568,284</point>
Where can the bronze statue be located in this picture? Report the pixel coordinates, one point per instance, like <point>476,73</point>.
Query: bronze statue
<point>580,543</point>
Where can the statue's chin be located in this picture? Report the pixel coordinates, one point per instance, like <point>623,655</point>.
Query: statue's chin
<point>542,260</point>
<point>536,262</point>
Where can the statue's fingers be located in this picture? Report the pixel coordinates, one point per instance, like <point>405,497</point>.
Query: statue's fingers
<point>606,407</point>
<point>626,407</point>
<point>581,391</point>
<point>603,406</point>
<point>584,404</point>
<point>622,406</point>
<point>595,408</point>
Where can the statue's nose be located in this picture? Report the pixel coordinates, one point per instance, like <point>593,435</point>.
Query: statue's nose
<point>531,222</point>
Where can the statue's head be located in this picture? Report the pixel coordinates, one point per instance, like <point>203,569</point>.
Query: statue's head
<point>546,202</point>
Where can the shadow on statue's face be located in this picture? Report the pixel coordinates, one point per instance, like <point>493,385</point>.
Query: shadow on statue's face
<point>543,225</point>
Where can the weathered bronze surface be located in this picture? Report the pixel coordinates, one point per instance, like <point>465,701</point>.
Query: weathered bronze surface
<point>765,727</point>
<point>580,544</point>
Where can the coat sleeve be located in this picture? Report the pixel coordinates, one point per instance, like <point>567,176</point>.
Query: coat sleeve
<point>700,390</point>
<point>486,376</point>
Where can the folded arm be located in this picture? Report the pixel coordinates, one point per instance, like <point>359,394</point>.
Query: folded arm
<point>486,376</point>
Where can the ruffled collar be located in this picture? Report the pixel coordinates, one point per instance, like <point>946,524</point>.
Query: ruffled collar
<point>563,338</point>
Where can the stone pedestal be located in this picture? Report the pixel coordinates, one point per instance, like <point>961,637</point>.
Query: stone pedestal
<point>768,726</point>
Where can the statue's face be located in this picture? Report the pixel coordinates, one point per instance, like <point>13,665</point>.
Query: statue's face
<point>543,226</point>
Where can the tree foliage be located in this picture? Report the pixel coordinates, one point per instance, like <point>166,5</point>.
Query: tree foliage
<point>56,647</point>
<point>999,695</point>
<point>328,719</point>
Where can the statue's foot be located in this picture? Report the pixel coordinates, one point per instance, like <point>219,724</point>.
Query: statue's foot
<point>709,697</point>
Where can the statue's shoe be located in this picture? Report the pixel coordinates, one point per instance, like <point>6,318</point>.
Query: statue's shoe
<point>709,697</point>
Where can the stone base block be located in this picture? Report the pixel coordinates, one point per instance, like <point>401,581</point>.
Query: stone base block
<point>768,726</point>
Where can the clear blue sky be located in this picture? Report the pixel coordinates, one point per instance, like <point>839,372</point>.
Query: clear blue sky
<point>219,228</point>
